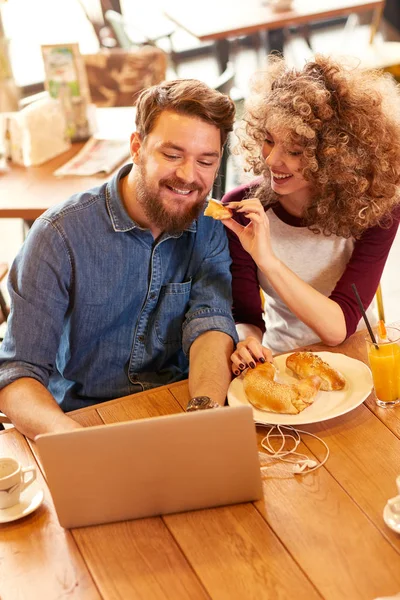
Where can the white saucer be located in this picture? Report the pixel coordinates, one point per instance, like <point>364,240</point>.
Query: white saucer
<point>30,500</point>
<point>390,520</point>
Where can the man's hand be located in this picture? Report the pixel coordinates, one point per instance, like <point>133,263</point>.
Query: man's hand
<point>33,410</point>
<point>209,371</point>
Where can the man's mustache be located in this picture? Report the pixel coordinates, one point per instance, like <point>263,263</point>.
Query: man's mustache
<point>178,183</point>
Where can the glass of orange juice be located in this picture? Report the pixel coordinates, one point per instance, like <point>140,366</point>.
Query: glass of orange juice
<point>384,360</point>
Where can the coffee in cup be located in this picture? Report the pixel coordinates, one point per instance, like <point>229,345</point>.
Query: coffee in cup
<point>14,479</point>
<point>280,5</point>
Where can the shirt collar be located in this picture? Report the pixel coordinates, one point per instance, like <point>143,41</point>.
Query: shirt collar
<point>120,219</point>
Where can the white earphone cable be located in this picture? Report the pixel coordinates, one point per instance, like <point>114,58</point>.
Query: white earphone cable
<point>302,464</point>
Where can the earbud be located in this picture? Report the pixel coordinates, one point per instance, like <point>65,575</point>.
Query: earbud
<point>303,464</point>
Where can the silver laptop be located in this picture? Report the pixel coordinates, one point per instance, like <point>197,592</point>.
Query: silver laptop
<point>152,466</point>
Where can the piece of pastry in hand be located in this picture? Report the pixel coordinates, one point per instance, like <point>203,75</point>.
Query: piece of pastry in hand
<point>305,364</point>
<point>266,394</point>
<point>217,210</point>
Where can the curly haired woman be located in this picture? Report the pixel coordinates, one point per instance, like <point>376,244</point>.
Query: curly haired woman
<point>324,214</point>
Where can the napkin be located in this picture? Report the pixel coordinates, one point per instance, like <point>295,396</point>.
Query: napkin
<point>37,132</point>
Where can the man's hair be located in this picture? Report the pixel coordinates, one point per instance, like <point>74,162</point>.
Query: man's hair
<point>187,97</point>
<point>348,122</point>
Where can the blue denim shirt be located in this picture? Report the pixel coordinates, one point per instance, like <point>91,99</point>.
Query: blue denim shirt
<point>101,310</point>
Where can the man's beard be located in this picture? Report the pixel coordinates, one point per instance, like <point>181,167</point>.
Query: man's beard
<point>155,210</point>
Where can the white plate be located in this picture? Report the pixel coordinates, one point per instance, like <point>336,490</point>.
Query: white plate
<point>390,520</point>
<point>30,500</point>
<point>327,405</point>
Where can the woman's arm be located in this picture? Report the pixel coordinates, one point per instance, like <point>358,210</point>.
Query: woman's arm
<point>334,318</point>
<point>247,302</point>
<point>323,315</point>
<point>365,269</point>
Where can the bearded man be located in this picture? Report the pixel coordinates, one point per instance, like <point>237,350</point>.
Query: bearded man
<point>117,289</point>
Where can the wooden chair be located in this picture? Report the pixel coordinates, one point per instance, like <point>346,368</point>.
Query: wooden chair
<point>117,76</point>
<point>225,84</point>
<point>130,35</point>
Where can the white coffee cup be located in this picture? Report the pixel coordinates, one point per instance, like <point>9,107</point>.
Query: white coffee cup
<point>13,481</point>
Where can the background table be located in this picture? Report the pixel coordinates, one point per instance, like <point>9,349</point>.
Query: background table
<point>317,536</point>
<point>27,192</point>
<point>220,19</point>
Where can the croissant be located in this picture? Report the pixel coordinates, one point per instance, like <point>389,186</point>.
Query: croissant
<point>305,364</point>
<point>266,394</point>
<point>217,211</point>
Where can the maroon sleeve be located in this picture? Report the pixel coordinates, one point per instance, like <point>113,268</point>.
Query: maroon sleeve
<point>364,268</point>
<point>247,307</point>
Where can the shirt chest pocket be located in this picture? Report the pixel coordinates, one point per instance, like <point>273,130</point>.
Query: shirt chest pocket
<point>171,310</point>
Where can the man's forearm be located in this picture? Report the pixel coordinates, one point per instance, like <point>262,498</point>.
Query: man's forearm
<point>209,371</point>
<point>32,409</point>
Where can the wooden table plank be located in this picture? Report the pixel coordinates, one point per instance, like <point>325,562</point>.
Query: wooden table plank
<point>138,560</point>
<point>38,558</point>
<point>389,416</point>
<point>153,404</point>
<point>181,394</point>
<point>364,459</point>
<point>237,556</point>
<point>89,418</point>
<point>333,541</point>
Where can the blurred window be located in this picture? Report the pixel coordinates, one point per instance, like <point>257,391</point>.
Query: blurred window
<point>30,23</point>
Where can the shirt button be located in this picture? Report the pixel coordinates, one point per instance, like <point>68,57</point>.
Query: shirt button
<point>152,296</point>
<point>141,339</point>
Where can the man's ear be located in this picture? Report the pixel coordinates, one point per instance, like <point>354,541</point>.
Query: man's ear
<point>135,145</point>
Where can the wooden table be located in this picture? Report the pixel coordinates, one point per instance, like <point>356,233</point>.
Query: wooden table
<point>313,537</point>
<point>27,192</point>
<point>220,19</point>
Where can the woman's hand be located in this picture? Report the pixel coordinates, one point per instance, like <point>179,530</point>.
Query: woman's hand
<point>248,353</point>
<point>255,237</point>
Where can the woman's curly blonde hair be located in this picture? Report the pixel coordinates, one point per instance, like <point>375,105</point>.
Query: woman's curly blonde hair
<point>348,122</point>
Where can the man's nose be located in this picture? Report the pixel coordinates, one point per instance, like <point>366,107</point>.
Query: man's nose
<point>187,171</point>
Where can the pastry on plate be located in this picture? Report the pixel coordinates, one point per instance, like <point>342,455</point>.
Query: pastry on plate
<point>307,364</point>
<point>264,393</point>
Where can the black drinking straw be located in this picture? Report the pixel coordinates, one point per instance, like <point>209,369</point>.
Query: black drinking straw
<point>371,333</point>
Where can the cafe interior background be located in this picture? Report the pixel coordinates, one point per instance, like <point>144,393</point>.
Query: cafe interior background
<point>27,25</point>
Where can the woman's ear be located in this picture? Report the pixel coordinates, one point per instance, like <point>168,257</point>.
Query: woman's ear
<point>135,145</point>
